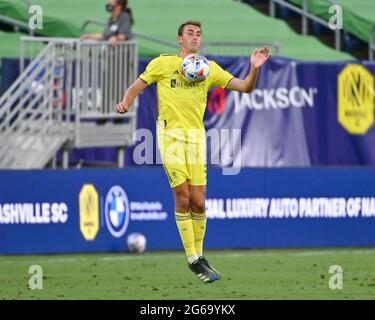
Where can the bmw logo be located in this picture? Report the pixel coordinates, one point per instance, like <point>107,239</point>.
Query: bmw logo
<point>117,211</point>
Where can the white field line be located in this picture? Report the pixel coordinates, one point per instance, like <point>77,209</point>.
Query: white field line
<point>146,256</point>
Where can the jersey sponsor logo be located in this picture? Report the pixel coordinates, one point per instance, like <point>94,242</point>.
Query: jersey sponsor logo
<point>355,99</point>
<point>117,211</point>
<point>186,85</point>
<point>89,212</point>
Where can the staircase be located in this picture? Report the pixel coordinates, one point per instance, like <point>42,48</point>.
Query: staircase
<point>30,133</point>
<point>65,99</point>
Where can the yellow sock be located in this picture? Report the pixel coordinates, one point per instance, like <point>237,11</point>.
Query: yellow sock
<point>199,226</point>
<point>185,227</point>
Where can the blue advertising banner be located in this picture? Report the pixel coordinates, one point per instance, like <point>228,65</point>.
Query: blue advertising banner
<point>95,210</point>
<point>300,114</point>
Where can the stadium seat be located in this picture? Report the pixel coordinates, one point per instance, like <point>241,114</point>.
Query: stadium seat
<point>239,22</point>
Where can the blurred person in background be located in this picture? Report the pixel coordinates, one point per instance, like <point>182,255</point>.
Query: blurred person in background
<point>119,25</point>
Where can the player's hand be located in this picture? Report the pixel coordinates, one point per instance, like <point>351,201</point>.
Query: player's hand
<point>259,57</point>
<point>122,108</point>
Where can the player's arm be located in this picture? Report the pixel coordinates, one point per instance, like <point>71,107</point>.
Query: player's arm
<point>133,91</point>
<point>258,58</point>
<point>151,75</point>
<point>246,85</point>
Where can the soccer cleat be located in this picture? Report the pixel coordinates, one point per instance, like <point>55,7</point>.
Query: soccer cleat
<point>203,272</point>
<point>205,262</point>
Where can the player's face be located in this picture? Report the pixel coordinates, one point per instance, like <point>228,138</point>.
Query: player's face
<point>191,38</point>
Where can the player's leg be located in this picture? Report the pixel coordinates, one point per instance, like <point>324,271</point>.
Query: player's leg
<point>172,154</point>
<point>198,215</point>
<point>199,266</point>
<point>174,160</point>
<point>197,182</point>
<point>184,221</point>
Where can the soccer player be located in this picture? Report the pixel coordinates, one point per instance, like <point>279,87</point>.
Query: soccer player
<point>181,109</point>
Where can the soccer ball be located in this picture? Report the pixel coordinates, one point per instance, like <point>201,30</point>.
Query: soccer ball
<point>136,242</point>
<point>195,68</point>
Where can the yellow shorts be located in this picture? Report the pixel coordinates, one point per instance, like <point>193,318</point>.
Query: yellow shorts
<point>183,160</point>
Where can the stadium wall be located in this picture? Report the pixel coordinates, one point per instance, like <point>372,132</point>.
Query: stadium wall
<point>57,211</point>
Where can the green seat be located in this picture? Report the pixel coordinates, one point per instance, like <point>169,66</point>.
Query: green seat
<point>358,15</point>
<point>223,20</point>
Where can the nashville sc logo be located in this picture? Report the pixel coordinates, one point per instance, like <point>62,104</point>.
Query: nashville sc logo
<point>355,99</point>
<point>117,211</point>
<point>89,212</point>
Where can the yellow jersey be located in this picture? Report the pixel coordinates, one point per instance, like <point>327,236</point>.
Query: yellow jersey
<point>181,103</point>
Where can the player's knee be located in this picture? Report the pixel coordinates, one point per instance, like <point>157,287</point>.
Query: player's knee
<point>198,204</point>
<point>182,200</point>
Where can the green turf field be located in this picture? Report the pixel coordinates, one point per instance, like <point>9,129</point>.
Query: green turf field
<point>253,274</point>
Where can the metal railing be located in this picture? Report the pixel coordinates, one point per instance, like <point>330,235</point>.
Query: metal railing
<point>97,73</point>
<point>235,48</point>
<point>26,103</point>
<point>65,87</point>
<point>305,16</point>
<point>371,44</point>
<point>91,21</point>
<point>17,24</point>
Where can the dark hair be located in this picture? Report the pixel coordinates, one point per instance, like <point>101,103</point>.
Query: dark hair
<point>182,26</point>
<point>124,5</point>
